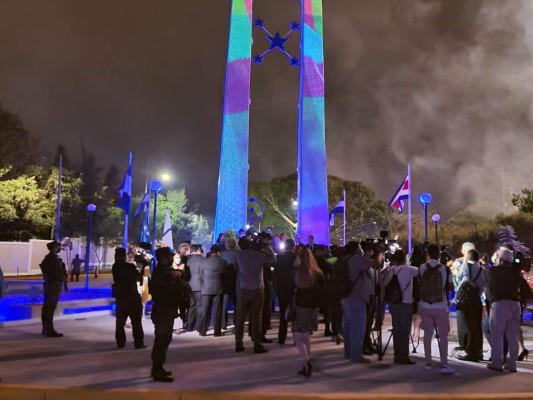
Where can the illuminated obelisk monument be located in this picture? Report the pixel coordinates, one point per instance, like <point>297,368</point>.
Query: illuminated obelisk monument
<point>312,215</point>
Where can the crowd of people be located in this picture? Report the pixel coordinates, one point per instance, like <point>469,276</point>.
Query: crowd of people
<point>350,286</point>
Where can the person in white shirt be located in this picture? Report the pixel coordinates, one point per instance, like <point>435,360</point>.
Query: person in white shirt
<point>434,307</point>
<point>402,312</point>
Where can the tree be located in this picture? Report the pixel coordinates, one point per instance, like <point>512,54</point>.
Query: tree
<point>62,151</point>
<point>19,149</point>
<point>366,215</point>
<point>186,223</point>
<point>524,201</point>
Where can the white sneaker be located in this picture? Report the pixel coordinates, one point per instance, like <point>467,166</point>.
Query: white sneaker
<point>447,370</point>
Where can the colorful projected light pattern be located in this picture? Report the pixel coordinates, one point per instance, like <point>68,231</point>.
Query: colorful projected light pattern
<point>232,193</point>
<point>313,216</point>
<point>312,169</point>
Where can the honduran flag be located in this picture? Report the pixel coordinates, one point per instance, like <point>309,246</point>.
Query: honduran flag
<point>339,209</point>
<point>125,190</point>
<point>401,195</point>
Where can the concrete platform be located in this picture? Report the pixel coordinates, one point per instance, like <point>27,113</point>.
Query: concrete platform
<point>85,364</point>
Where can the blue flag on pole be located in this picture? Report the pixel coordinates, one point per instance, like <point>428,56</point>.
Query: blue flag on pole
<point>125,190</point>
<point>143,205</point>
<point>339,209</point>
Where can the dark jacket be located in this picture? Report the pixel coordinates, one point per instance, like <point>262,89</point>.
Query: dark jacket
<point>166,288</point>
<point>125,279</point>
<point>212,271</point>
<point>284,272</point>
<point>194,263</point>
<point>229,280</point>
<point>503,283</point>
<point>311,297</point>
<point>52,268</point>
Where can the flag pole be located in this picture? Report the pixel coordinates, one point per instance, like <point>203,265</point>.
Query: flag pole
<point>344,219</point>
<point>58,205</point>
<point>126,214</point>
<point>409,226</point>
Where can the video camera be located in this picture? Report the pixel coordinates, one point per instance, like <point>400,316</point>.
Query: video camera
<point>445,255</point>
<point>521,261</point>
<point>142,255</point>
<point>260,240</point>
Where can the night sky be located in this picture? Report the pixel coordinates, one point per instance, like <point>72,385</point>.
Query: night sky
<point>444,85</point>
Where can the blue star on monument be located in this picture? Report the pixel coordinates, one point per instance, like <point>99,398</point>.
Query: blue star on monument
<point>258,59</point>
<point>277,42</point>
<point>259,23</point>
<point>295,26</point>
<point>294,61</point>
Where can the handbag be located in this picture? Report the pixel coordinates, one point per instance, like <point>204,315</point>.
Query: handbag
<point>290,312</point>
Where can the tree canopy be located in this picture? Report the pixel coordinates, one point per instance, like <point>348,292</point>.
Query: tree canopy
<point>366,214</point>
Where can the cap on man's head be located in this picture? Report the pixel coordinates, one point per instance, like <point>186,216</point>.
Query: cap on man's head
<point>53,244</point>
<point>467,246</point>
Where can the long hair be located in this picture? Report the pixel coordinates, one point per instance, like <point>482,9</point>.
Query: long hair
<point>308,270</point>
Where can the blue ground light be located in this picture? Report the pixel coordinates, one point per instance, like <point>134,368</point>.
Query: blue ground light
<point>20,305</point>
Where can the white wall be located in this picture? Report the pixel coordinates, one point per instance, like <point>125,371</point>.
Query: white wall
<point>23,258</point>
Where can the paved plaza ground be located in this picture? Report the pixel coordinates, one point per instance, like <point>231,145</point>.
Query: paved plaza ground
<point>87,359</point>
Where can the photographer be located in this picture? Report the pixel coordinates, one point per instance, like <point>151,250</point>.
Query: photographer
<point>375,306</point>
<point>128,301</point>
<point>434,284</point>
<point>462,328</point>
<point>503,283</point>
<point>468,302</point>
<point>250,290</point>
<point>355,304</point>
<point>401,312</point>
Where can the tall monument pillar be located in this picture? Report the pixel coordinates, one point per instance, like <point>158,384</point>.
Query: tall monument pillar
<point>232,192</point>
<point>313,213</point>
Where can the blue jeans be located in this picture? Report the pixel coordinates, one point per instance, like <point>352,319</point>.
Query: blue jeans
<point>402,315</point>
<point>354,330</point>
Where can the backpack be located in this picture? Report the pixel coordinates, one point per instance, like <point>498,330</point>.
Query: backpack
<point>341,285</point>
<point>431,288</point>
<point>468,292</point>
<point>393,291</point>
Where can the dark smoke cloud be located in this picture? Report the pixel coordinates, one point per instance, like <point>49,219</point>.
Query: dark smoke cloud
<point>443,85</point>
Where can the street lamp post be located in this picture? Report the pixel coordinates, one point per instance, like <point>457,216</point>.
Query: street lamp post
<point>156,187</point>
<point>425,199</point>
<point>91,208</point>
<point>436,218</point>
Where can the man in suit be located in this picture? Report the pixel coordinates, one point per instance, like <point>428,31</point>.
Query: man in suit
<point>284,275</point>
<point>212,271</point>
<point>194,263</point>
<point>251,290</point>
<point>311,242</point>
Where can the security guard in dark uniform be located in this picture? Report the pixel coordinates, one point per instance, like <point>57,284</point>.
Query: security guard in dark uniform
<point>165,288</point>
<point>54,275</point>
<point>128,300</point>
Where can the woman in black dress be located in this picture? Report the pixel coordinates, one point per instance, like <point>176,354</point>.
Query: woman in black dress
<point>310,288</point>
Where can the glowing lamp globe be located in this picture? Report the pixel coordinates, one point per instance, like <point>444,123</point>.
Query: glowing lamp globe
<point>435,218</point>
<point>91,208</point>
<point>156,186</point>
<point>425,199</point>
